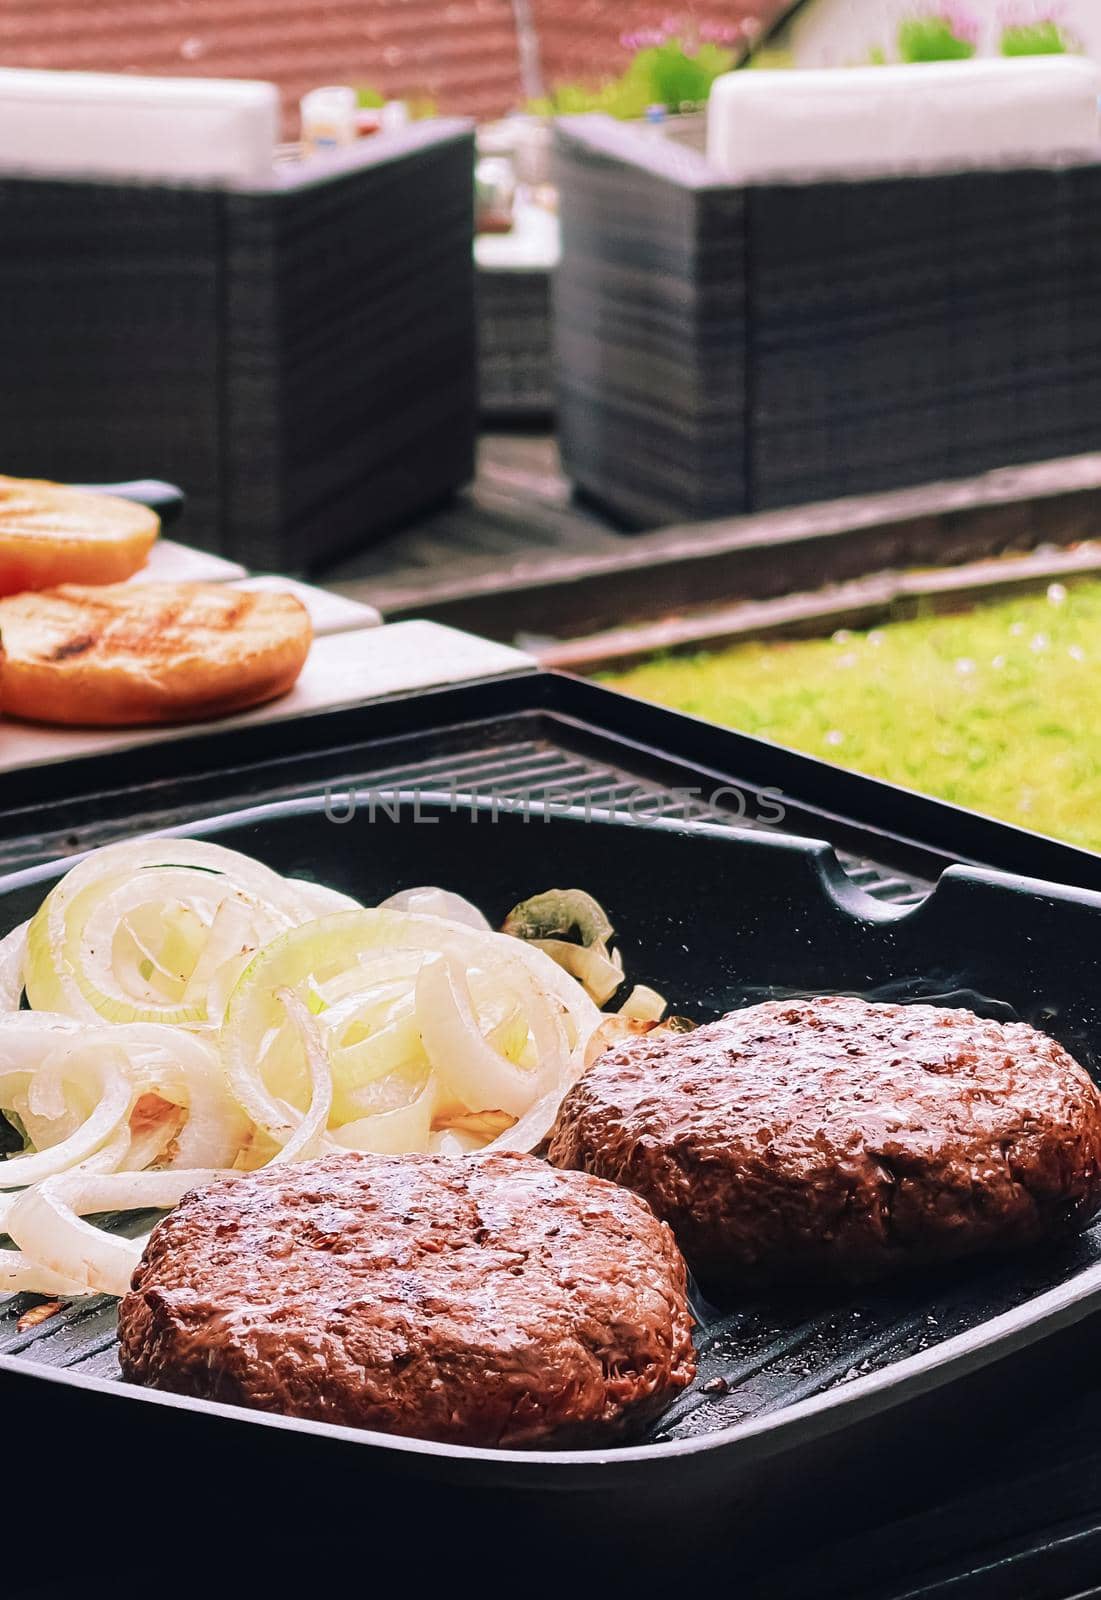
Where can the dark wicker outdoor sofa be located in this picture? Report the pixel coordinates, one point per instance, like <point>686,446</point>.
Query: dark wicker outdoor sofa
<point>724,349</point>
<point>298,356</point>
<point>515,346</point>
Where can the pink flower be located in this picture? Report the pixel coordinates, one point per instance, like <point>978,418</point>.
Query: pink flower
<point>963,24</point>
<point>643,39</point>
<point>955,17</point>
<point>1020,15</point>
<point>1030,13</point>
<point>686,31</point>
<point>720,32</point>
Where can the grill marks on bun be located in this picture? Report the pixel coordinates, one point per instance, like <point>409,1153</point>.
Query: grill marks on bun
<point>132,654</point>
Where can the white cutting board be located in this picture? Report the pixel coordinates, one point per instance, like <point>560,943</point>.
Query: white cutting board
<point>343,669</point>
<point>178,563</point>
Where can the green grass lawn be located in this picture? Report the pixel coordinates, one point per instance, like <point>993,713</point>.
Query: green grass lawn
<point>998,709</point>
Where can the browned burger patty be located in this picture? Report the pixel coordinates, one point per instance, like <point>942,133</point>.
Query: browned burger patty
<point>830,1137</point>
<point>487,1301</point>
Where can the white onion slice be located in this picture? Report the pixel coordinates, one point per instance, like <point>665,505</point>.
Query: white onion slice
<point>643,1005</point>
<point>240,925</point>
<point>529,1131</point>
<point>308,1138</point>
<point>369,972</point>
<point>195,1010</point>
<point>13,954</point>
<point>112,1106</point>
<point>19,1275</point>
<point>108,1158</point>
<point>45,1222</point>
<point>187,1070</point>
<point>465,1063</point>
<point>430,901</point>
<point>119,1153</point>
<point>453,1142</point>
<point>50,1053</point>
<point>582,1014</point>
<point>600,973</point>
<point>345,964</point>
<point>319,899</point>
<point>72,964</point>
<point>393,1132</point>
<point>26,1035</point>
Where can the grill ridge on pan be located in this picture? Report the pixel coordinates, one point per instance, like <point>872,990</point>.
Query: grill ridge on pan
<point>758,915</point>
<point>528,767</point>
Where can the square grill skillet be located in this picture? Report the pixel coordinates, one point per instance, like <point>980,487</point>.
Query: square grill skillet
<point>717,918</point>
<point>813,1416</point>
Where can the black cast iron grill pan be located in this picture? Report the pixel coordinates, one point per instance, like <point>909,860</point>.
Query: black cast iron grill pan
<point>715,918</point>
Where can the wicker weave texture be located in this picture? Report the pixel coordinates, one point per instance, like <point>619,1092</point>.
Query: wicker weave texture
<point>110,350</point>
<point>922,328</point>
<point>300,360</point>
<point>515,354</point>
<point>649,331</point>
<point>350,341</point>
<point>831,338</point>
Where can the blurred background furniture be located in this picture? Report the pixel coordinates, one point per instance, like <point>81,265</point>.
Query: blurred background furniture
<point>292,343</point>
<point>514,272</point>
<point>779,322</point>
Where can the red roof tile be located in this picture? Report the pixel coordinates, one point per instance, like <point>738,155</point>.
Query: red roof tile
<point>461,53</point>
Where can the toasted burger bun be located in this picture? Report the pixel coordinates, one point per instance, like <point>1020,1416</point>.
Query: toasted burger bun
<point>50,534</point>
<point>147,653</point>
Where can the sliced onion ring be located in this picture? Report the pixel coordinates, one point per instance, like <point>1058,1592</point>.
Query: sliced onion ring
<point>326,956</point>
<point>20,1275</point>
<point>429,901</point>
<point>67,971</point>
<point>308,1139</point>
<point>13,955</point>
<point>411,1026</point>
<point>45,1222</point>
<point>462,1059</point>
<point>392,1132</point>
<point>114,1095</point>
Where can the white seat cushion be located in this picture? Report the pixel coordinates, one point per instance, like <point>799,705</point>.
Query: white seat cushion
<point>872,121</point>
<point>175,130</point>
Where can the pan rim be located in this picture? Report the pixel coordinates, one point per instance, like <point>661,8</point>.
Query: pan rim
<point>762,1437</point>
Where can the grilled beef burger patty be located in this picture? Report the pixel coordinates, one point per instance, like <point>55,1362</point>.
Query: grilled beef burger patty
<point>834,1138</point>
<point>485,1301</point>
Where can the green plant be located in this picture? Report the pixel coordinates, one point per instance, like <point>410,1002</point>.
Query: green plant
<point>569,99</point>
<point>419,106</point>
<point>673,66</point>
<point>422,107</point>
<point>1037,37</point>
<point>993,708</point>
<point>948,33</point>
<point>771,58</point>
<point>675,75</point>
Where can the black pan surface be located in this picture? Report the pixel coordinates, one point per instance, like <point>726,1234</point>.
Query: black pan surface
<point>718,918</point>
